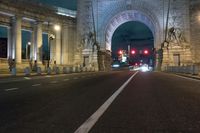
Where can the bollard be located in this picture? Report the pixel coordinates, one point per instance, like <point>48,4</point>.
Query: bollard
<point>64,70</point>
<point>57,70</point>
<point>39,71</point>
<point>84,69</point>
<point>27,71</point>
<point>68,69</point>
<point>48,71</point>
<point>195,70</point>
<point>14,72</point>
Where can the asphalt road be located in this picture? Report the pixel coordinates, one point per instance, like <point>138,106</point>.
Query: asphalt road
<point>150,103</point>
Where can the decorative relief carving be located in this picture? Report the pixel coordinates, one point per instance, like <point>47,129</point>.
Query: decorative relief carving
<point>176,35</point>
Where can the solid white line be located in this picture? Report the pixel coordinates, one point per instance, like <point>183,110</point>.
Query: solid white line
<point>89,123</point>
<point>11,89</point>
<point>187,78</point>
<point>36,85</point>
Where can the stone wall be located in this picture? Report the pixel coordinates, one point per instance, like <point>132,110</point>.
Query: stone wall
<point>105,19</point>
<point>195,30</point>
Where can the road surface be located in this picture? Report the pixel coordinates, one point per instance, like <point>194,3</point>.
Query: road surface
<point>113,102</point>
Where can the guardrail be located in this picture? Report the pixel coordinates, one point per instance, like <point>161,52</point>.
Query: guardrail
<point>193,69</point>
<point>27,71</point>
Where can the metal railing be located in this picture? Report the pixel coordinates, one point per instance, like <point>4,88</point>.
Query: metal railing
<point>192,69</point>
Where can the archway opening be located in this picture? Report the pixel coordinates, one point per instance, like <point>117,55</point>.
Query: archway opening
<point>133,44</point>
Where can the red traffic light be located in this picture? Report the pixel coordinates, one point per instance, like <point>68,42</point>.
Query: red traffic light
<point>133,52</point>
<point>120,52</point>
<point>146,52</point>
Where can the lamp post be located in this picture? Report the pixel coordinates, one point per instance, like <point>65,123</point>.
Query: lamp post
<point>51,37</point>
<point>28,50</point>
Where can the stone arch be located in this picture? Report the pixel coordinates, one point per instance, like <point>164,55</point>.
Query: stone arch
<point>132,15</point>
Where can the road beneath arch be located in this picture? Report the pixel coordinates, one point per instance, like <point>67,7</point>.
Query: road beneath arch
<point>149,102</point>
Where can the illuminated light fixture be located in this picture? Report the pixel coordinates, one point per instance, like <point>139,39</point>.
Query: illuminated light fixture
<point>57,27</point>
<point>120,52</point>
<point>133,52</point>
<point>146,52</point>
<point>29,43</point>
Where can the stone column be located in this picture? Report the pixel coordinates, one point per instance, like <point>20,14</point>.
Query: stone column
<point>38,42</point>
<point>58,47</point>
<point>32,48</point>
<point>17,39</point>
<point>9,44</point>
<point>74,57</point>
<point>65,45</point>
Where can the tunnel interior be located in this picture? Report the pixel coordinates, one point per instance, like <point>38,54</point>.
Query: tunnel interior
<point>133,44</point>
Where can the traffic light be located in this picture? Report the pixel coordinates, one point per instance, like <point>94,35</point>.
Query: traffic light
<point>146,52</point>
<point>120,52</point>
<point>133,52</point>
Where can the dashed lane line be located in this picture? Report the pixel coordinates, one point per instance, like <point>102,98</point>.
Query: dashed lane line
<point>54,82</point>
<point>11,89</point>
<point>35,85</point>
<point>66,79</point>
<point>28,78</point>
<point>90,122</point>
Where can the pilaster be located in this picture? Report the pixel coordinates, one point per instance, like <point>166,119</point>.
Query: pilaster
<point>38,41</point>
<point>17,39</point>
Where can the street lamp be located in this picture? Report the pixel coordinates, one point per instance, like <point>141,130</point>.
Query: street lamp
<point>51,37</point>
<point>57,27</point>
<point>28,50</point>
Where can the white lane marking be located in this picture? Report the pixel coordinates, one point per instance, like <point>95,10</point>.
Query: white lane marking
<point>66,80</point>
<point>36,85</point>
<point>48,76</point>
<point>54,82</point>
<point>27,78</point>
<point>188,78</point>
<point>11,89</point>
<point>89,123</point>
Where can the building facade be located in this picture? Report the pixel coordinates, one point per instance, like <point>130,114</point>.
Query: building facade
<point>48,26</point>
<point>85,39</point>
<point>174,24</point>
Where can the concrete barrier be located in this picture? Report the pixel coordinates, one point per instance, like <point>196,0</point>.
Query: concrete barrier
<point>57,70</point>
<point>14,72</point>
<point>39,71</point>
<point>194,69</point>
<point>64,70</point>
<point>27,71</point>
<point>49,71</point>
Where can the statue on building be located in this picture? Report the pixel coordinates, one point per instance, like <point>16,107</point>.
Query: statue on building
<point>175,35</point>
<point>88,41</point>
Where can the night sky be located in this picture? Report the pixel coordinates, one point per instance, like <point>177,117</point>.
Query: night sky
<point>69,4</point>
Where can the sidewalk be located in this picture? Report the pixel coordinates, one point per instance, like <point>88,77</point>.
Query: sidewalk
<point>189,76</point>
<point>8,75</point>
<point>186,75</point>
